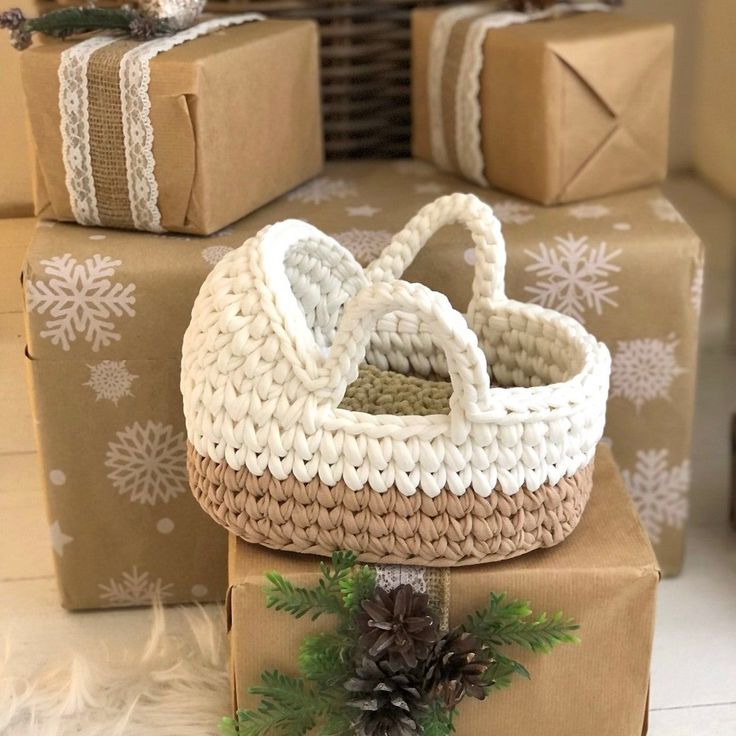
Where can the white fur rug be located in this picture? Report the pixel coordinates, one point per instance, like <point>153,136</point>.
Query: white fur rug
<point>177,685</point>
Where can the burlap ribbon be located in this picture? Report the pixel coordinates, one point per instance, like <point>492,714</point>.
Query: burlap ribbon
<point>455,64</point>
<point>107,136</point>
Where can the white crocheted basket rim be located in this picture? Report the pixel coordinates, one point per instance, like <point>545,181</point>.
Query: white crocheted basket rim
<point>281,325</point>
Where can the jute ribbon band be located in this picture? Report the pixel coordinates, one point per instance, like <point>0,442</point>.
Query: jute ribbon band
<point>455,65</point>
<point>106,130</point>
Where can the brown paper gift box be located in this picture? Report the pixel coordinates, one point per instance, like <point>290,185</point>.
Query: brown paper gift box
<point>604,576</point>
<point>606,262</point>
<point>570,109</point>
<point>232,129</point>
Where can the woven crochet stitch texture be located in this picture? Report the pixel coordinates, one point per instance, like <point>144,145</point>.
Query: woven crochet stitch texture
<point>283,437</point>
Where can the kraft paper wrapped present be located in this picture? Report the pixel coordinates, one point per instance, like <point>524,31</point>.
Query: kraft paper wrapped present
<point>220,130</point>
<point>555,110</point>
<point>604,576</point>
<point>106,311</point>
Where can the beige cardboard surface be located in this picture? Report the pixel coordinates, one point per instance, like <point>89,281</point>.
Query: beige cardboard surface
<point>627,266</point>
<point>604,575</point>
<point>232,130</point>
<point>16,199</point>
<point>571,108</point>
<point>715,96</point>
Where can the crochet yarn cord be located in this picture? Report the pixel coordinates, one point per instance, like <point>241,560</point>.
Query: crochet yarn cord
<point>387,527</point>
<point>387,392</point>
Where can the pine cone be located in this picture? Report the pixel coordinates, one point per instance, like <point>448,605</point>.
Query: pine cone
<point>397,626</point>
<point>12,19</point>
<point>455,668</point>
<point>143,27</point>
<point>389,703</point>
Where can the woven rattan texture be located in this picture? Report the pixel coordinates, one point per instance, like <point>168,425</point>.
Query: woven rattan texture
<point>388,527</point>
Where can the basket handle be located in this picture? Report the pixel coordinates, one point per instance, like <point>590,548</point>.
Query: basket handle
<point>485,230</point>
<point>466,363</point>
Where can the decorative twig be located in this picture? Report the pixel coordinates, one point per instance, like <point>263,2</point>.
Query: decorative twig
<point>73,21</point>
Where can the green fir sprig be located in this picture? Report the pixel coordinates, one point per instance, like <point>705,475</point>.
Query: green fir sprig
<point>352,681</point>
<point>73,21</point>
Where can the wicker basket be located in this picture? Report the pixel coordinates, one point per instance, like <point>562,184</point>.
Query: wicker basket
<point>365,67</point>
<point>296,444</point>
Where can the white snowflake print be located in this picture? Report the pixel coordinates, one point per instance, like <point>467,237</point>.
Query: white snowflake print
<point>135,588</point>
<point>643,370</point>
<point>80,299</point>
<point>365,245</point>
<point>213,254</point>
<point>664,210</point>
<point>573,276</point>
<point>429,187</point>
<point>659,491</point>
<point>512,212</point>
<point>110,380</point>
<point>321,189</point>
<point>59,540</point>
<point>364,210</point>
<point>588,211</point>
<point>696,288</point>
<point>148,463</point>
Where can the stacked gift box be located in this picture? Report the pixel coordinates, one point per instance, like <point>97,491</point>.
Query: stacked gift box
<point>559,123</point>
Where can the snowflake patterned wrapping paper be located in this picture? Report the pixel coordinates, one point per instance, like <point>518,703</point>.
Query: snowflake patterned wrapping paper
<point>604,576</point>
<point>557,110</point>
<point>171,142</point>
<point>106,312</point>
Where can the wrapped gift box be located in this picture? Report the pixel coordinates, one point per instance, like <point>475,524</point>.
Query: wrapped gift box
<point>560,109</point>
<point>107,309</point>
<point>604,576</point>
<point>231,130</point>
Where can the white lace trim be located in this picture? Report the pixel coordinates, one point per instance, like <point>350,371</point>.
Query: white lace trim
<point>135,78</point>
<point>467,91</point>
<point>74,109</point>
<point>390,577</point>
<point>438,43</point>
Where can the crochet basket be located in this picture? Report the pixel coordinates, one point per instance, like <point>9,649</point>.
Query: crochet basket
<point>331,407</point>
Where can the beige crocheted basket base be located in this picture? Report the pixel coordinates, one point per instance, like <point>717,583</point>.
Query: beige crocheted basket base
<point>389,527</point>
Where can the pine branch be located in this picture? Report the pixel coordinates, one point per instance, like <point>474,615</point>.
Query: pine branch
<point>288,707</point>
<point>356,587</point>
<point>326,659</point>
<point>325,598</point>
<point>228,727</point>
<point>66,21</point>
<point>499,675</point>
<point>336,723</point>
<point>511,622</point>
<point>438,721</point>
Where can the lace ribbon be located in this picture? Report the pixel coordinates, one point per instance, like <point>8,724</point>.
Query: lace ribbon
<point>134,78</point>
<point>463,135</point>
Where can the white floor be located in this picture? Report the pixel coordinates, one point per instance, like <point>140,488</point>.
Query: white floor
<point>694,666</point>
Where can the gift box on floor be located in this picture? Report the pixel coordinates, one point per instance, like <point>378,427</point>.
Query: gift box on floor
<point>107,309</point>
<point>555,110</point>
<point>604,576</point>
<point>219,131</point>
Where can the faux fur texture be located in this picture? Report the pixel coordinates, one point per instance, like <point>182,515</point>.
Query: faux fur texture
<point>177,685</point>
